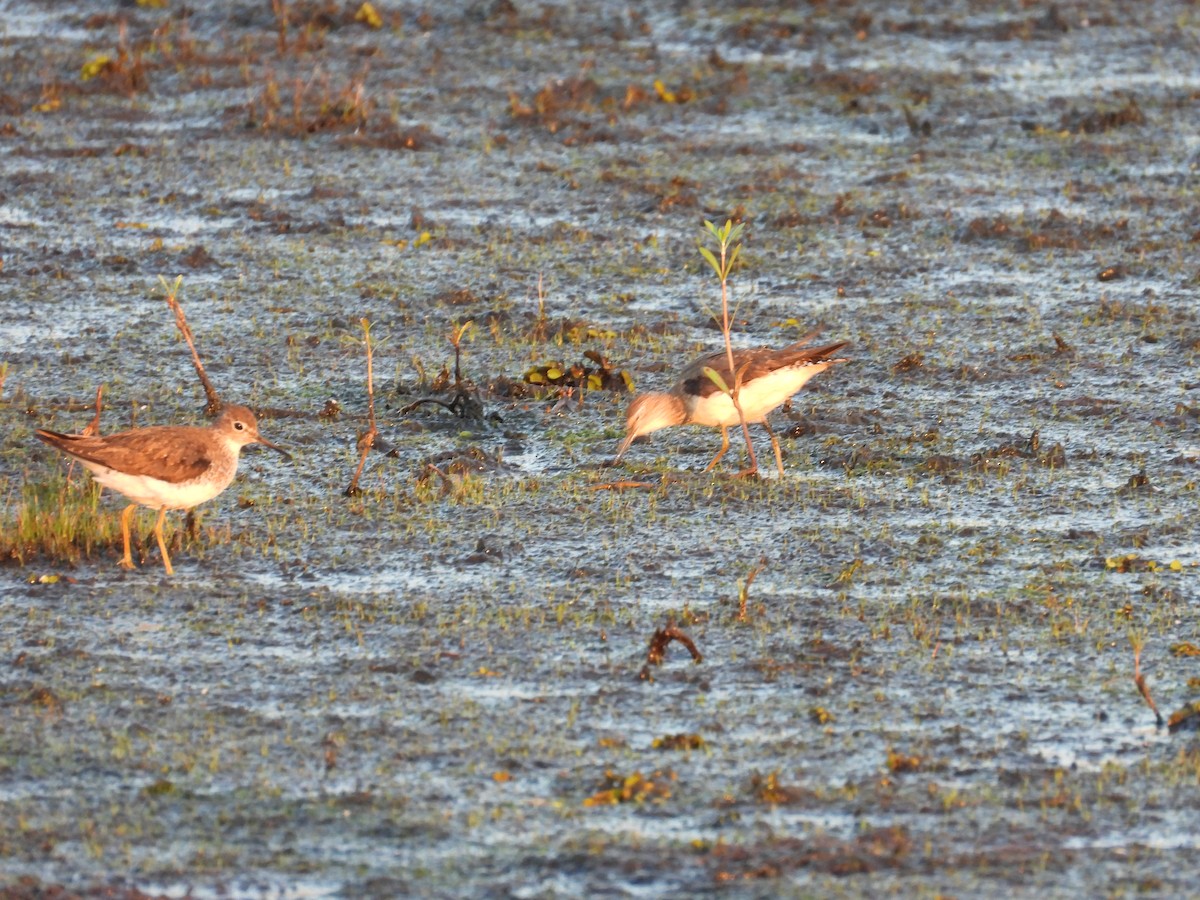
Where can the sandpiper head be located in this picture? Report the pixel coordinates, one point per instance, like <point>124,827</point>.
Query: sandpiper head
<point>238,424</point>
<point>650,412</point>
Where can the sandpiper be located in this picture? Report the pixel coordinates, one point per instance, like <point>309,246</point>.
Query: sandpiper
<point>768,378</point>
<point>165,466</point>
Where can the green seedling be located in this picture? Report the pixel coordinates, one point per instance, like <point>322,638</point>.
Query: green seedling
<point>728,243</point>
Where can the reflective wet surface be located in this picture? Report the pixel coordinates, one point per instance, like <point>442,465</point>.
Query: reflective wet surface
<point>433,688</point>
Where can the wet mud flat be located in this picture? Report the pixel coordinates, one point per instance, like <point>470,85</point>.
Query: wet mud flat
<point>440,686</point>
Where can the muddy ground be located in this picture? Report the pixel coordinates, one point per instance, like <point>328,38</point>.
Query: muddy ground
<point>433,688</point>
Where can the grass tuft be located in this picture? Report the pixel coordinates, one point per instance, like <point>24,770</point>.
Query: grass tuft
<point>57,518</point>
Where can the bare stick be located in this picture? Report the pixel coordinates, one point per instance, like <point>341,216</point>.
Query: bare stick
<point>91,430</point>
<point>658,648</point>
<point>214,400</point>
<point>370,375</point>
<point>539,329</point>
<point>456,337</point>
<point>624,485</point>
<point>460,405</point>
<point>744,592</point>
<point>279,7</point>
<point>93,427</point>
<point>1140,680</point>
<point>366,440</point>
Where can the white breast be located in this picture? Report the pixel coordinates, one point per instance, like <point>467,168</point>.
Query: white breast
<point>158,494</point>
<point>757,398</point>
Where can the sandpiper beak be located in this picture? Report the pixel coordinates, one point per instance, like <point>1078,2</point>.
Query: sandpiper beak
<point>262,440</point>
<point>625,444</point>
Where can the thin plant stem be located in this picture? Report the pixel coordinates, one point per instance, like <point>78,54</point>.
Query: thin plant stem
<point>726,331</point>
<point>172,291</point>
<point>728,248</point>
<point>367,440</point>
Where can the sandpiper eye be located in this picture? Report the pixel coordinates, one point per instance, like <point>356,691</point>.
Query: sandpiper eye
<point>240,426</point>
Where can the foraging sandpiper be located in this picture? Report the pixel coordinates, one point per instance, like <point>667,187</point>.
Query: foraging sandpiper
<point>165,466</point>
<point>767,376</point>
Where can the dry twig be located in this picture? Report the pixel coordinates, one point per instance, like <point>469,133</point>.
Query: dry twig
<point>744,589</point>
<point>624,485</point>
<point>658,649</point>
<point>366,440</point>
<point>1140,680</point>
<point>214,400</point>
<point>462,405</point>
<point>91,430</point>
<point>93,427</point>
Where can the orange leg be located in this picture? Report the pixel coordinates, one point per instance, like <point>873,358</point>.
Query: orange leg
<point>162,545</point>
<point>126,519</point>
<point>775,447</point>
<point>750,471</point>
<point>724,447</point>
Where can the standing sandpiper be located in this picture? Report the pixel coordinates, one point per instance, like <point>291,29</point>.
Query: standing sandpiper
<point>768,378</point>
<point>165,466</point>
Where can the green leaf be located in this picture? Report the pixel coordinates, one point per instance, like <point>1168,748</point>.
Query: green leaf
<point>173,291</point>
<point>712,260</point>
<point>733,255</point>
<point>715,377</point>
<point>737,381</point>
<point>712,229</point>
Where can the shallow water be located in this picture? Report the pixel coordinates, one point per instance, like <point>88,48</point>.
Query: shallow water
<point>431,688</point>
